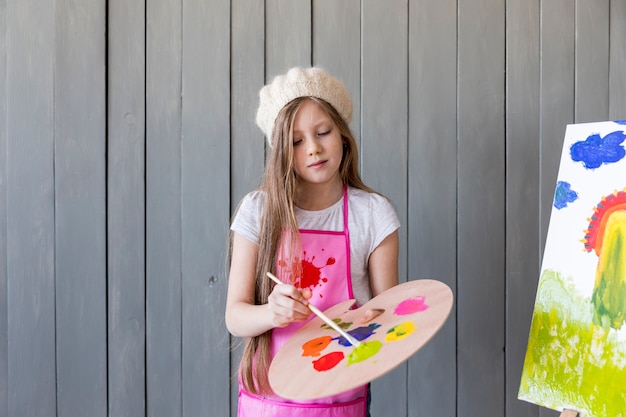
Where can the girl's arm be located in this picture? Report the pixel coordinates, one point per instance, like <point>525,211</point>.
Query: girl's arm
<point>245,319</point>
<point>383,265</point>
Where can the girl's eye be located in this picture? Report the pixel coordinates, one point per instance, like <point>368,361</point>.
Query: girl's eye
<point>297,142</point>
<point>324,133</point>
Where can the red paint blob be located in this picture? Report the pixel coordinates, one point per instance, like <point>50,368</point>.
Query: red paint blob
<point>328,361</point>
<point>311,275</point>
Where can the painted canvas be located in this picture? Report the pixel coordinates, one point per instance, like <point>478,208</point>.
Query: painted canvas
<point>576,354</point>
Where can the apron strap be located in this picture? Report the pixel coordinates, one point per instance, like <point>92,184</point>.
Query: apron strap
<point>346,233</point>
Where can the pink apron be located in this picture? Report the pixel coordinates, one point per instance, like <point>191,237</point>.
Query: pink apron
<point>325,270</point>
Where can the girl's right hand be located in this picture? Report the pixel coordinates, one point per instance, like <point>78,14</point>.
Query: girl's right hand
<point>287,304</point>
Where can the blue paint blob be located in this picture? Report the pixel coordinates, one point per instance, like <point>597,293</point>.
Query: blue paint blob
<point>596,150</point>
<point>564,195</point>
<point>620,122</point>
<point>360,333</point>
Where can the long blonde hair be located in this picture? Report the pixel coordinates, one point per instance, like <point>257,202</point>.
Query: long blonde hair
<point>279,186</point>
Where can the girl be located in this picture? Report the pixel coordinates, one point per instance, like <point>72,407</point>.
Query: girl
<point>315,225</point>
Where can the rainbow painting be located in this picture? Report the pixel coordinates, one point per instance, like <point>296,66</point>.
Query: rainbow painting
<point>576,354</point>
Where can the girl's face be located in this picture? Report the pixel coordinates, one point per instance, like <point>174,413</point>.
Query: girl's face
<point>317,146</point>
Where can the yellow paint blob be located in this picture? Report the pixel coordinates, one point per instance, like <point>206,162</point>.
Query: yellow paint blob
<point>400,331</point>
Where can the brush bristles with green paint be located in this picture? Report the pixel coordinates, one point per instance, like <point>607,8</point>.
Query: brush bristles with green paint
<point>322,316</point>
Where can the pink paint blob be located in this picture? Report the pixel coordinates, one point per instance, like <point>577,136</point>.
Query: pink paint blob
<point>411,305</point>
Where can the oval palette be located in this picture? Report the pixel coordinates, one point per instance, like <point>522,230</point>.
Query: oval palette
<point>318,362</point>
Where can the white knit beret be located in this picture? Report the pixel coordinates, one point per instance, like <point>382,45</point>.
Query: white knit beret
<point>300,82</point>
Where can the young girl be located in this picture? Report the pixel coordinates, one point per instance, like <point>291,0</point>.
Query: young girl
<point>315,225</point>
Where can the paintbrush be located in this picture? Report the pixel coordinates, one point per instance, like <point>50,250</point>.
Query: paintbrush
<point>323,316</point>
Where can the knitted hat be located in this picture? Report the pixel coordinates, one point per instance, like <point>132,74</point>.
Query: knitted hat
<point>300,82</point>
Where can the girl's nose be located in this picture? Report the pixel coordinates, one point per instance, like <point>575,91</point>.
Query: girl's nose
<point>314,146</point>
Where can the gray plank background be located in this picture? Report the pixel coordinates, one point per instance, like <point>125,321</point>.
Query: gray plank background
<point>29,259</point>
<point>127,138</point>
<point>80,211</point>
<point>126,289</point>
<point>163,209</point>
<point>384,86</point>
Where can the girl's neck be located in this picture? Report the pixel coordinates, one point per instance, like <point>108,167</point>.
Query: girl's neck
<point>314,197</point>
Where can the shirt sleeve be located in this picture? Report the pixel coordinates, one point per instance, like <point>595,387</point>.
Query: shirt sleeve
<point>247,220</point>
<point>384,219</point>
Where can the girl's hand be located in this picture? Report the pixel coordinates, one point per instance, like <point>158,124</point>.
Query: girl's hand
<point>287,304</point>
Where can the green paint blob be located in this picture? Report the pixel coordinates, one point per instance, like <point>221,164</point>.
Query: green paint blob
<point>609,294</point>
<point>570,360</point>
<point>364,351</point>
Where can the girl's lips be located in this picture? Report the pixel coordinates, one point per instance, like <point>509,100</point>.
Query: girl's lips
<point>317,164</point>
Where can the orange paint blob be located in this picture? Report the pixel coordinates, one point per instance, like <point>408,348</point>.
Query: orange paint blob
<point>314,347</point>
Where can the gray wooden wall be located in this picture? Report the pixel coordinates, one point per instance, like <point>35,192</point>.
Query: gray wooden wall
<point>127,138</point>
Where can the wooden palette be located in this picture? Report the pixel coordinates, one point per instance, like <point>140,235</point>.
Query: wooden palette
<point>318,362</point>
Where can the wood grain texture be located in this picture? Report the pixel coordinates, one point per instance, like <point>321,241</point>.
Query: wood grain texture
<point>205,209</point>
<point>336,42</point>
<point>163,209</point>
<point>247,142</point>
<point>432,200</point>
<point>481,208</point>
<point>522,191</point>
<point>384,131</point>
<point>80,208</point>
<point>30,208</point>
<point>592,61</point>
<point>287,36</point>
<point>126,208</point>
<point>4,312</point>
<point>247,78</point>
<point>556,96</point>
<point>412,313</point>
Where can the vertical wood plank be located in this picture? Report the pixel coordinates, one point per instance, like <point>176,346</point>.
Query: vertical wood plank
<point>557,51</point>
<point>592,61</point>
<point>30,208</point>
<point>247,141</point>
<point>432,175</point>
<point>163,208</point>
<point>522,190</point>
<point>336,47</point>
<point>287,36</point>
<point>205,205</point>
<point>79,165</point>
<point>557,96</point>
<point>126,207</point>
<point>385,127</point>
<point>4,319</point>
<point>617,68</point>
<point>247,78</point>
<point>481,208</point>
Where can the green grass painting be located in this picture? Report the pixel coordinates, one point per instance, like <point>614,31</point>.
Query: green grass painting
<point>571,362</point>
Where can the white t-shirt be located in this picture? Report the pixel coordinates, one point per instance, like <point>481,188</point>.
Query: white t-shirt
<point>371,218</point>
